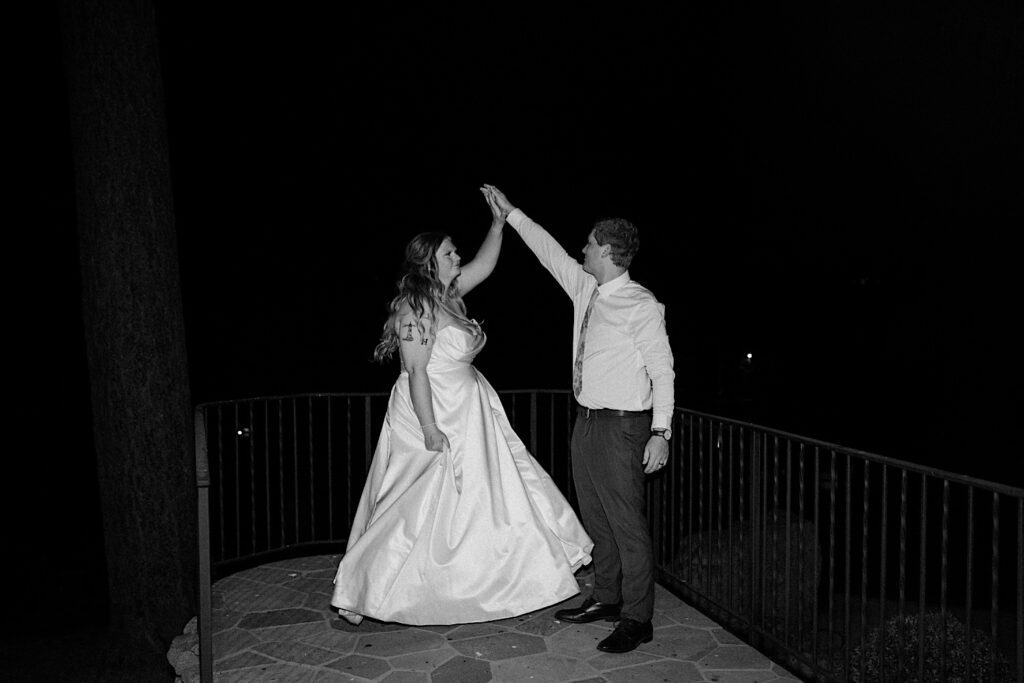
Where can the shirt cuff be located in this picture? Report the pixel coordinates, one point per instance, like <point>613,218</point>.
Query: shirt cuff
<point>661,423</point>
<point>515,217</point>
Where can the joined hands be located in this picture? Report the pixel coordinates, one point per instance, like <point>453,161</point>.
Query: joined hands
<point>501,207</point>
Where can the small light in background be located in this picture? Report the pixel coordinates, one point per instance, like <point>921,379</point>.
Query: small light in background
<point>244,431</point>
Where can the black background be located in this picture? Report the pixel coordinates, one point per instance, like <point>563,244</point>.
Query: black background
<point>835,190</point>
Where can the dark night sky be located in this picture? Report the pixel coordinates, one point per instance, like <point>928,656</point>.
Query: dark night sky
<point>830,188</point>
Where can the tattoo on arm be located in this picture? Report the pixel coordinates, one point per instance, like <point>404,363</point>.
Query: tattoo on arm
<point>408,332</point>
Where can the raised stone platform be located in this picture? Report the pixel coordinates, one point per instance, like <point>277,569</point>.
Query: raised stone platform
<point>274,623</point>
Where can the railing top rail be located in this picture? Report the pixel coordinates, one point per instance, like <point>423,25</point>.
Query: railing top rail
<point>285,397</point>
<point>1004,489</point>
<point>532,391</point>
<point>350,394</point>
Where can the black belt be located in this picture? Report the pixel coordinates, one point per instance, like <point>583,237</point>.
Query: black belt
<point>588,413</point>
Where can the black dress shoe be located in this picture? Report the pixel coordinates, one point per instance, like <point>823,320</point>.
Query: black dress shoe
<point>590,610</point>
<point>628,634</point>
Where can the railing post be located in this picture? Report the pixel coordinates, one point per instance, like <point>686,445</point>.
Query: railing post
<point>205,625</point>
<point>533,422</point>
<point>367,436</point>
<point>756,532</point>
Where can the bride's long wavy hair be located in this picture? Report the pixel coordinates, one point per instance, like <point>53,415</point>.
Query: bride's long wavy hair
<point>421,287</point>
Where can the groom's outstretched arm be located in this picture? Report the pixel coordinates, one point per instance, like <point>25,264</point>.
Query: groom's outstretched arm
<point>565,269</point>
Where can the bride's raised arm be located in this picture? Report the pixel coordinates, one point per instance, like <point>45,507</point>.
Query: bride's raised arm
<point>486,258</point>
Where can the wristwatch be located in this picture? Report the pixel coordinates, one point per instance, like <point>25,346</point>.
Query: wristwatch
<point>663,433</point>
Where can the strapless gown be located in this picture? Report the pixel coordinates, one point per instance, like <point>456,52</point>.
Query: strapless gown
<point>475,533</point>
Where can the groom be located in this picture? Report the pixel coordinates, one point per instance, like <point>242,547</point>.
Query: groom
<point>622,373</point>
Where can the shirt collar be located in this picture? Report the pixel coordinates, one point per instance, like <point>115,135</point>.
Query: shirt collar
<point>612,286</point>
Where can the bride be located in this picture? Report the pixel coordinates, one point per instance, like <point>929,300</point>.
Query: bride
<point>457,522</point>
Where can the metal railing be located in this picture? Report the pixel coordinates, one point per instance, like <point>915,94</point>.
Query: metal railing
<point>838,564</point>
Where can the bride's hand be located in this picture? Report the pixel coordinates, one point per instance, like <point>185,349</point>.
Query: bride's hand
<point>497,217</point>
<point>434,439</point>
<point>500,207</point>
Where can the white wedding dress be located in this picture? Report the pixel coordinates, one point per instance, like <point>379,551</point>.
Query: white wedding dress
<point>473,534</point>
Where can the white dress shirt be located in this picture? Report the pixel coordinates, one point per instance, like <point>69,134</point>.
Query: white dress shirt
<point>627,361</point>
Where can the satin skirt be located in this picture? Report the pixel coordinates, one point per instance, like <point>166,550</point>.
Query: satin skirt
<point>475,533</point>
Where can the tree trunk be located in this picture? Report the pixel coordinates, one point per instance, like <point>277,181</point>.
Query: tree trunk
<point>132,314</point>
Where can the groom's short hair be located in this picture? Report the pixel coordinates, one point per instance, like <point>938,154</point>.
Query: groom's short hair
<point>621,235</point>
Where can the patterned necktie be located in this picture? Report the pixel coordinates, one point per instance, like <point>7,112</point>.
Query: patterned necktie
<point>577,367</point>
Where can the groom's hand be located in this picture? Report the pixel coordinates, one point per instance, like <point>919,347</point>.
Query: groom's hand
<point>655,454</point>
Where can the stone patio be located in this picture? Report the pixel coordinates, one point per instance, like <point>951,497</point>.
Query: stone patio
<point>274,623</point>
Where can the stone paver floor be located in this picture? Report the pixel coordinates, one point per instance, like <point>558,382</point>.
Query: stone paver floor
<point>274,623</point>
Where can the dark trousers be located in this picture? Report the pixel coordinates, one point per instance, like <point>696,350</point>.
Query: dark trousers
<point>607,466</point>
